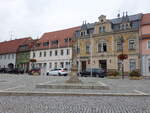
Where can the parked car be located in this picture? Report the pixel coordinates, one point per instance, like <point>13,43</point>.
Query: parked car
<point>14,71</point>
<point>96,72</point>
<point>58,71</point>
<point>35,71</point>
<point>2,70</point>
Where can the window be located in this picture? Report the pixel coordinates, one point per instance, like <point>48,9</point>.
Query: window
<point>78,49</point>
<point>119,45</point>
<point>44,53</point>
<point>132,44</point>
<point>132,64</point>
<point>67,40</point>
<point>50,65</point>
<point>44,65</point>
<point>33,54</point>
<point>45,43</point>
<point>62,52</point>
<point>50,53</point>
<point>40,55</point>
<point>5,56</point>
<point>102,47</point>
<point>119,65</point>
<point>61,64</point>
<point>12,56</point>
<point>55,52</point>
<point>0,57</point>
<point>149,65</point>
<point>38,45</point>
<point>148,44</point>
<point>55,64</point>
<point>87,49</point>
<point>68,51</point>
<point>81,34</point>
<point>8,56</point>
<point>102,29</point>
<point>54,42</point>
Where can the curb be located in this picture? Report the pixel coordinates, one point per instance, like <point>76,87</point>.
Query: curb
<point>21,93</point>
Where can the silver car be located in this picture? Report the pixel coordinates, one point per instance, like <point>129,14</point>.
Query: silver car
<point>58,72</point>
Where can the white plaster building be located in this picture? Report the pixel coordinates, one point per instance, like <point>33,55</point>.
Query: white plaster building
<point>53,50</point>
<point>52,58</point>
<point>7,60</point>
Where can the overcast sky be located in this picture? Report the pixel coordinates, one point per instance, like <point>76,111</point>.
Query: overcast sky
<point>23,18</point>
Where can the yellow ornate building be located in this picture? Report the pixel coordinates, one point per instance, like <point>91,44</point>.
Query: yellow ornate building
<point>99,44</point>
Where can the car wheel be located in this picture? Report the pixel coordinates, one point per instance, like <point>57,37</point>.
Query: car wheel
<point>59,74</point>
<point>47,74</point>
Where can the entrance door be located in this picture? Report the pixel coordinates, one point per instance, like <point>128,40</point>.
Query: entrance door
<point>11,65</point>
<point>83,65</point>
<point>103,64</point>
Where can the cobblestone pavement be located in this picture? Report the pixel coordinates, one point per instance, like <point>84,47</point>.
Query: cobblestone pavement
<point>27,83</point>
<point>74,104</point>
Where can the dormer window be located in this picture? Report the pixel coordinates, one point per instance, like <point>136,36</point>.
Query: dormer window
<point>45,43</point>
<point>38,44</point>
<point>102,29</point>
<point>54,42</point>
<point>81,34</point>
<point>67,40</point>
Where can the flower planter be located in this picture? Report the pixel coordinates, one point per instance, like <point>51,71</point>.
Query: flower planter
<point>113,77</point>
<point>136,78</point>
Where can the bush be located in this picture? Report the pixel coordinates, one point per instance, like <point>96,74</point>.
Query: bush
<point>113,73</point>
<point>135,73</point>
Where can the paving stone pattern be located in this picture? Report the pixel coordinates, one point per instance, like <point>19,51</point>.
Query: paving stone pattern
<point>74,104</point>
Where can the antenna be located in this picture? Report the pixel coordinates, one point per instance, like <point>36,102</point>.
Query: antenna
<point>123,14</point>
<point>11,35</point>
<point>126,13</point>
<point>118,15</point>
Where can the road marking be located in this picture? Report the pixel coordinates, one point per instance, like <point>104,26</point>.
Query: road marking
<point>103,84</point>
<point>140,92</point>
<point>13,88</point>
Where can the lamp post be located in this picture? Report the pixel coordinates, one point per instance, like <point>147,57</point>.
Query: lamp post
<point>122,41</point>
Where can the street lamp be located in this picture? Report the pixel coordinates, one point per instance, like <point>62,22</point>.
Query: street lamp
<point>122,41</point>
<point>122,56</point>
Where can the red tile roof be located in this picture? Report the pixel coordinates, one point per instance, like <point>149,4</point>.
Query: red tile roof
<point>60,35</point>
<point>28,43</point>
<point>145,19</point>
<point>11,46</point>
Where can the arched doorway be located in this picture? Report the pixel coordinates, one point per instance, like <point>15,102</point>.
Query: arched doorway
<point>11,65</point>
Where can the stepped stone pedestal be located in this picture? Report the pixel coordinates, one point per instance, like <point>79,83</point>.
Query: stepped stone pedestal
<point>73,76</point>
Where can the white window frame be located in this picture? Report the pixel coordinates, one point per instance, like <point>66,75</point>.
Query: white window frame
<point>133,46</point>
<point>132,61</point>
<point>101,50</point>
<point>148,44</point>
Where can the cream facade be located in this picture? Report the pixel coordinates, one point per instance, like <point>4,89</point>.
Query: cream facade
<point>100,46</point>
